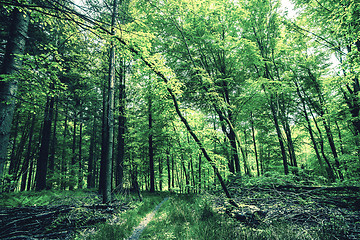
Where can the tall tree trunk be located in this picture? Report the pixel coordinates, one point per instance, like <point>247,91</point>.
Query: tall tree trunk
<point>329,168</point>
<point>103,141</point>
<point>199,178</point>
<point>73,157</point>
<point>53,145</point>
<point>333,148</point>
<point>80,177</point>
<point>151,149</point>
<point>30,175</point>
<point>91,162</point>
<point>15,134</point>
<point>160,174</point>
<point>108,158</point>
<point>279,135</point>
<point>312,137</point>
<point>172,172</point>
<point>254,143</point>
<point>63,167</point>
<point>121,130</point>
<point>11,64</point>
<point>18,152</point>
<point>25,168</point>
<point>328,132</point>
<point>168,168</point>
<point>41,168</point>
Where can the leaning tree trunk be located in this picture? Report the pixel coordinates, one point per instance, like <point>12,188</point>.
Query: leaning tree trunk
<point>11,64</point>
<point>279,135</point>
<point>155,69</point>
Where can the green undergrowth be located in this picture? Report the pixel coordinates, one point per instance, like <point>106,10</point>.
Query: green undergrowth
<point>191,217</point>
<point>122,225</point>
<point>49,197</point>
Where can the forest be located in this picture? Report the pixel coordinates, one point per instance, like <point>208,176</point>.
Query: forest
<point>230,107</point>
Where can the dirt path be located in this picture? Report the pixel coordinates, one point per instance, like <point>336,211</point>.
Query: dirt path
<point>139,229</point>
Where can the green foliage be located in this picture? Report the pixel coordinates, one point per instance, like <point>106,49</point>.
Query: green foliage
<point>189,217</point>
<point>193,217</point>
<point>48,197</point>
<point>123,224</point>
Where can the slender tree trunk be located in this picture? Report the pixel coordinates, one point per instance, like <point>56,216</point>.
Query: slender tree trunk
<point>108,158</point>
<point>11,64</point>
<point>25,168</point>
<point>329,168</point>
<point>234,152</point>
<point>103,141</point>
<point>30,175</point>
<point>80,177</point>
<point>254,143</point>
<point>63,168</point>
<point>172,172</point>
<point>53,144</point>
<point>290,142</point>
<point>91,162</point>
<point>326,125</point>
<point>312,137</point>
<point>41,168</point>
<point>151,149</point>
<point>200,179</point>
<point>121,131</point>
<point>160,174</point>
<point>279,135</point>
<point>13,154</point>
<point>73,158</point>
<point>168,168</point>
<point>18,152</point>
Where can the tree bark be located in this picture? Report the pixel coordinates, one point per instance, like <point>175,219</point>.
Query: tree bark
<point>91,162</point>
<point>63,167</point>
<point>41,167</point>
<point>312,137</point>
<point>72,176</point>
<point>151,149</point>
<point>53,145</point>
<point>168,168</point>
<point>25,168</point>
<point>11,64</point>
<point>279,135</point>
<point>121,131</point>
<point>254,143</point>
<point>108,158</point>
<point>80,177</point>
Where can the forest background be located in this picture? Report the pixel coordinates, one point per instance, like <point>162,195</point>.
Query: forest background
<point>182,96</point>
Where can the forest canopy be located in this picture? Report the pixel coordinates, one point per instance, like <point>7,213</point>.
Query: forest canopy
<point>180,95</point>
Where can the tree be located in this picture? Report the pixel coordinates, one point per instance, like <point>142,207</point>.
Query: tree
<point>109,120</point>
<point>11,63</point>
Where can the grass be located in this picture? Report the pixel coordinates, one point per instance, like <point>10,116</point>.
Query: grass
<point>191,217</point>
<point>124,223</point>
<point>183,216</point>
<point>48,197</point>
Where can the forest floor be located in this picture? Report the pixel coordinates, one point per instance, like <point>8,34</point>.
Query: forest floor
<point>265,212</point>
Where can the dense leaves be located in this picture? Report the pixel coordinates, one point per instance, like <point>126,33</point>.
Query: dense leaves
<point>236,83</point>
